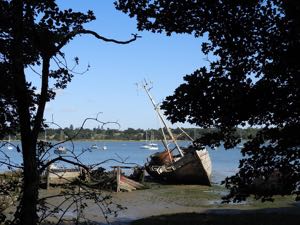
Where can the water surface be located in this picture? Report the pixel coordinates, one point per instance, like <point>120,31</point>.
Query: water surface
<point>224,162</point>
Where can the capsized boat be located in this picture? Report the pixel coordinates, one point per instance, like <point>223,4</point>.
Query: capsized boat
<point>189,166</point>
<point>194,167</point>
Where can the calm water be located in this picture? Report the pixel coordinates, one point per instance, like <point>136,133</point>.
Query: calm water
<point>224,162</point>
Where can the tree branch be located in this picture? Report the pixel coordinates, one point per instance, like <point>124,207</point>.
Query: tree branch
<point>76,32</point>
<point>43,97</point>
<point>60,158</point>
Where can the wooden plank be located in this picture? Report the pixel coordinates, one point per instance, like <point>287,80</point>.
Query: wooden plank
<point>125,186</point>
<point>133,183</point>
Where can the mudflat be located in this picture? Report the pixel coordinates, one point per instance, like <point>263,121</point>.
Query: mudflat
<point>189,204</point>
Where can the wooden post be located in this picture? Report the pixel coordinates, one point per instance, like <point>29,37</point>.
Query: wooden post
<point>118,178</point>
<point>142,179</point>
<point>48,178</point>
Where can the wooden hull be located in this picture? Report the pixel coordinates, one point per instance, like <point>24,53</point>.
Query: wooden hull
<point>124,183</point>
<point>193,168</point>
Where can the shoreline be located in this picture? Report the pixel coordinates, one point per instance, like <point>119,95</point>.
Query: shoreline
<point>181,204</point>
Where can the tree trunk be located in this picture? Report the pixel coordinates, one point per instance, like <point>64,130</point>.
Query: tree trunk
<point>29,200</point>
<point>27,210</point>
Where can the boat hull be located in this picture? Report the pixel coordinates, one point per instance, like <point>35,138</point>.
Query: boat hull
<point>193,168</point>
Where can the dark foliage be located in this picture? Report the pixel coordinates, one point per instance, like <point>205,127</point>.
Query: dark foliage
<point>32,36</point>
<point>253,79</point>
<point>32,33</point>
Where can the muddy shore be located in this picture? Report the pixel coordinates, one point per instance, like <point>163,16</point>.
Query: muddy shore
<point>174,199</point>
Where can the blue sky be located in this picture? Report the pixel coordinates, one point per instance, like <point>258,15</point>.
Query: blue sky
<point>109,85</point>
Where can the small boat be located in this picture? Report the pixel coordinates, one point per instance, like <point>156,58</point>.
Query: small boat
<point>144,146</point>
<point>9,145</point>
<point>94,146</point>
<point>150,146</point>
<point>189,166</point>
<point>60,150</point>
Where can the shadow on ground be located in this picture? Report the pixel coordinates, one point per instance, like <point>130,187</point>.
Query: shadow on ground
<point>270,216</point>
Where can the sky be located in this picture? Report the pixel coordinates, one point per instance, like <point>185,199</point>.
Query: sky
<point>109,86</point>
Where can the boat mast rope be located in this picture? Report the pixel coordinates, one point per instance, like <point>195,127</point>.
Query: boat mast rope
<point>156,108</point>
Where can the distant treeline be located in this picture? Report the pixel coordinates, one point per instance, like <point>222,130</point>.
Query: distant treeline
<point>131,134</point>
<point>128,134</point>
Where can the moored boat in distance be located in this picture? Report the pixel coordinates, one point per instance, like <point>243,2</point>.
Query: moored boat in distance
<point>94,146</point>
<point>189,166</point>
<point>9,145</point>
<point>60,150</point>
<point>97,147</point>
<point>150,146</point>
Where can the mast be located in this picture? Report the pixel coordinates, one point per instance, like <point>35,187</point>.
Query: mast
<point>156,108</point>
<point>146,137</point>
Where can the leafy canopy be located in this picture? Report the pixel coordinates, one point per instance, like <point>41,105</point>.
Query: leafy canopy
<point>32,36</point>
<point>44,30</point>
<point>252,80</point>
